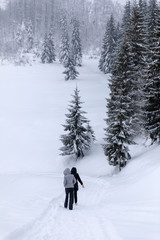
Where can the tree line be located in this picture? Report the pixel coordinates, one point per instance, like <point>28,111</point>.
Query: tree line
<point>45,15</point>
<point>131,53</point>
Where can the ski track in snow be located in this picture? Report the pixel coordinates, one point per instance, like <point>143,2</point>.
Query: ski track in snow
<point>83,222</point>
<point>93,218</point>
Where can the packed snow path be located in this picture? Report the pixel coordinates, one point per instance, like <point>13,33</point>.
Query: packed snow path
<point>85,220</point>
<point>95,217</point>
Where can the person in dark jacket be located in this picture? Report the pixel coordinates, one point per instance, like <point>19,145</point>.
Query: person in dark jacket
<point>69,181</point>
<point>78,179</point>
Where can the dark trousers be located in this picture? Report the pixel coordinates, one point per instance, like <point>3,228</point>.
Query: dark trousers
<point>75,196</point>
<point>69,196</point>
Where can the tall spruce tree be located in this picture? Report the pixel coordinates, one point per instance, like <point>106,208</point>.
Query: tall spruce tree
<point>25,42</point>
<point>76,48</point>
<point>24,37</point>
<point>21,36</point>
<point>143,7</point>
<point>90,133</point>
<point>152,20</point>
<point>29,36</point>
<point>126,17</point>
<point>152,84</point>
<point>136,36</point>
<point>65,46</point>
<point>109,47</point>
<point>119,133</point>
<point>76,142</point>
<point>70,70</point>
<point>48,53</point>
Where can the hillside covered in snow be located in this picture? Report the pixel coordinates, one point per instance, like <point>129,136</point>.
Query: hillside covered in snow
<point>113,205</point>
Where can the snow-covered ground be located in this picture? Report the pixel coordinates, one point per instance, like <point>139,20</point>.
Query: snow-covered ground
<point>33,103</point>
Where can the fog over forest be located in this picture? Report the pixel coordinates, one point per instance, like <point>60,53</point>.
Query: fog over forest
<point>45,16</point>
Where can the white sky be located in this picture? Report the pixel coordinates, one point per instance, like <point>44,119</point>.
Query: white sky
<point>2,2</point>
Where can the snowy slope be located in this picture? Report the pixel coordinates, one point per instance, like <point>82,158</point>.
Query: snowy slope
<point>33,104</point>
<point>124,206</point>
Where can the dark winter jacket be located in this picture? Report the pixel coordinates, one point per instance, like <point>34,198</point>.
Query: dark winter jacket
<point>77,177</point>
<point>69,179</point>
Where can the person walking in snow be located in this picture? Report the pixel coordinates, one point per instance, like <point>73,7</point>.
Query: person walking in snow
<point>78,179</point>
<point>69,181</point>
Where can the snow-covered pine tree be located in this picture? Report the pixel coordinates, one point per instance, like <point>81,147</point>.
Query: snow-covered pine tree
<point>126,17</point>
<point>24,37</point>
<point>109,47</point>
<point>76,141</point>
<point>21,57</point>
<point>91,133</point>
<point>65,46</point>
<point>152,20</point>
<point>119,125</point>
<point>48,53</point>
<point>29,36</point>
<point>76,48</point>
<point>21,36</point>
<point>70,70</point>
<point>119,38</point>
<point>152,84</point>
<point>136,37</point>
<point>143,8</point>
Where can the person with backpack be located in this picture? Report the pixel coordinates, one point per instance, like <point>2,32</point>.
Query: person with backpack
<point>69,181</point>
<point>78,179</point>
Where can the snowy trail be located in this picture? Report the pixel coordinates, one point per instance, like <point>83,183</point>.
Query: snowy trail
<point>99,215</point>
<point>85,221</point>
<point>95,217</point>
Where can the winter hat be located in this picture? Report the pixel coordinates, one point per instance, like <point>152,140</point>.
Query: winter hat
<point>73,170</point>
<point>66,171</point>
